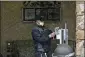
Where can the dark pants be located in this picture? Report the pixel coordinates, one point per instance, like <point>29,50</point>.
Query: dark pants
<point>42,54</point>
<point>40,51</point>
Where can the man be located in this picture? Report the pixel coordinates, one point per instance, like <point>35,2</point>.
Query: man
<point>42,40</point>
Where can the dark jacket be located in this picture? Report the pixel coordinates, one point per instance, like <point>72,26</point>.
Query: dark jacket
<point>41,38</point>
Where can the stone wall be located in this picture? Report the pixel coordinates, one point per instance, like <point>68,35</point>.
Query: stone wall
<point>80,29</point>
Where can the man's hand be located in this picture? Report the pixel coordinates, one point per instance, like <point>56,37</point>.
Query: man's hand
<point>52,34</point>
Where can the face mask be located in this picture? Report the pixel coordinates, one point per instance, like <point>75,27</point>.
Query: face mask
<point>42,23</point>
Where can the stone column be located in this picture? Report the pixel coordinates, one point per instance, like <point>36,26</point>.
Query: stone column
<point>80,29</point>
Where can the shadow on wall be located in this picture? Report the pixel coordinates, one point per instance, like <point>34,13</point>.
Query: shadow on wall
<point>20,48</point>
<point>1,55</point>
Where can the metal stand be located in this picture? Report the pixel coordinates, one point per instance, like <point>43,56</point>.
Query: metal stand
<point>63,49</point>
<point>62,35</point>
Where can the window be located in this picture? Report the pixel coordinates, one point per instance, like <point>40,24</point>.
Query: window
<point>42,10</point>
